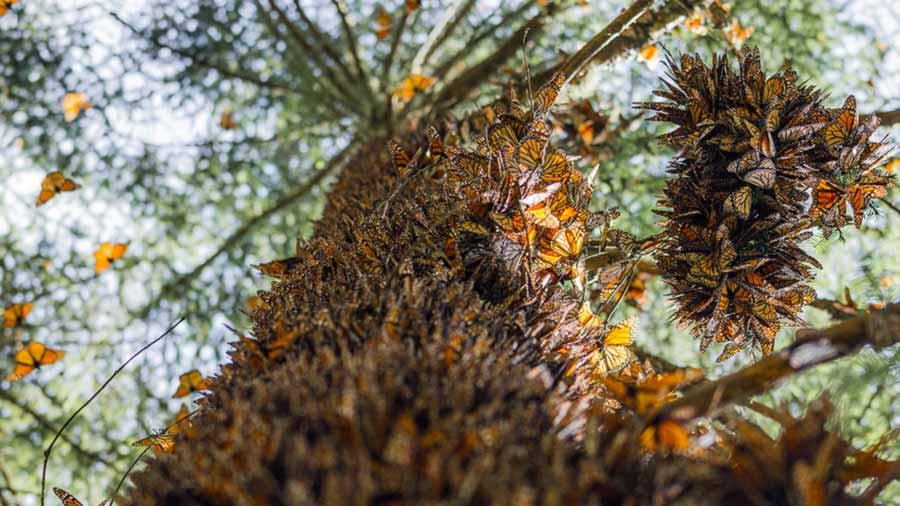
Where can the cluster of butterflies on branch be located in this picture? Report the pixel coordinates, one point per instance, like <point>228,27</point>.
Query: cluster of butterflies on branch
<point>752,151</point>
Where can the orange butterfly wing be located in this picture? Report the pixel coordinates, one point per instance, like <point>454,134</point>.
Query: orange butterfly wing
<point>66,498</point>
<point>15,314</point>
<point>32,357</point>
<point>52,184</point>
<point>161,443</point>
<point>189,382</point>
<point>847,121</point>
<point>107,253</point>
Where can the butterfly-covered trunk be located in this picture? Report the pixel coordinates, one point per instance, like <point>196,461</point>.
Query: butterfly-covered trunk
<point>428,345</point>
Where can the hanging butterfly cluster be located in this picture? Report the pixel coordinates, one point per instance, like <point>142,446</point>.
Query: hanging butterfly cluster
<point>751,150</point>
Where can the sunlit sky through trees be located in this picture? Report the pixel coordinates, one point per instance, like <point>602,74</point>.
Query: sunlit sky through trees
<point>160,173</point>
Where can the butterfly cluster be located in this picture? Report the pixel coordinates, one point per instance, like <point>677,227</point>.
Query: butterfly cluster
<point>752,149</point>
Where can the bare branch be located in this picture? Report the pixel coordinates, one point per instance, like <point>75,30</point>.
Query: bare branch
<point>889,118</point>
<point>811,348</point>
<point>622,34</point>
<point>272,84</point>
<point>442,32</point>
<point>310,51</point>
<point>238,235</point>
<point>462,86</point>
<point>341,8</point>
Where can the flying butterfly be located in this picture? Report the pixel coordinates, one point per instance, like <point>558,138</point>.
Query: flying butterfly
<point>68,499</point>
<point>160,443</point>
<point>31,358</point>
<point>55,183</point>
<point>843,126</point>
<point>383,23</point>
<point>5,5</point>
<point>227,122</point>
<point>108,253</point>
<point>73,105</point>
<point>190,382</point>
<point>15,314</point>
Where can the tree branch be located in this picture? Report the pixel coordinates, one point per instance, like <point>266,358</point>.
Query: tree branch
<point>442,32</point>
<point>632,29</point>
<point>235,238</point>
<point>463,85</point>
<point>203,62</point>
<point>346,96</point>
<point>889,118</point>
<point>341,8</point>
<point>811,348</point>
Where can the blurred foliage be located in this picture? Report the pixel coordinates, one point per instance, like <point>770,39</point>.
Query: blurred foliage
<point>158,171</point>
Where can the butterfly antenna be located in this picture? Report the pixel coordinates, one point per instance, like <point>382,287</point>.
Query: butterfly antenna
<point>527,68</point>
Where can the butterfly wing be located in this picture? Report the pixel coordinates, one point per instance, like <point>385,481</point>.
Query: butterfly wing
<point>841,128</point>
<point>66,498</point>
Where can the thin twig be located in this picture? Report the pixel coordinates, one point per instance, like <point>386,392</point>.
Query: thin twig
<point>134,462</point>
<point>115,373</point>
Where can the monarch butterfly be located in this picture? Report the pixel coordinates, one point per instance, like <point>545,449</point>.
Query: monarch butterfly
<point>54,183</point>
<point>279,269</point>
<point>15,314</point>
<point>190,382</point>
<point>5,5</point>
<point>182,423</point>
<point>283,340</point>
<point>828,203</point>
<point>547,94</point>
<point>411,85</point>
<point>761,178</point>
<point>226,121</point>
<point>506,132</point>
<point>68,499</point>
<point>402,162</point>
<point>860,196</point>
<point>33,357</point>
<point>615,352</point>
<point>161,443</point>
<point>666,434</point>
<point>564,243</point>
<point>587,318</point>
<point>529,154</point>
<point>843,126</point>
<point>435,145</point>
<point>556,167</point>
<point>739,202</point>
<point>412,5</point>
<point>108,253</point>
<point>383,23</point>
<point>73,104</point>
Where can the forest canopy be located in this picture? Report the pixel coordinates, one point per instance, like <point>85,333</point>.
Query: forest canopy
<point>160,157</point>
